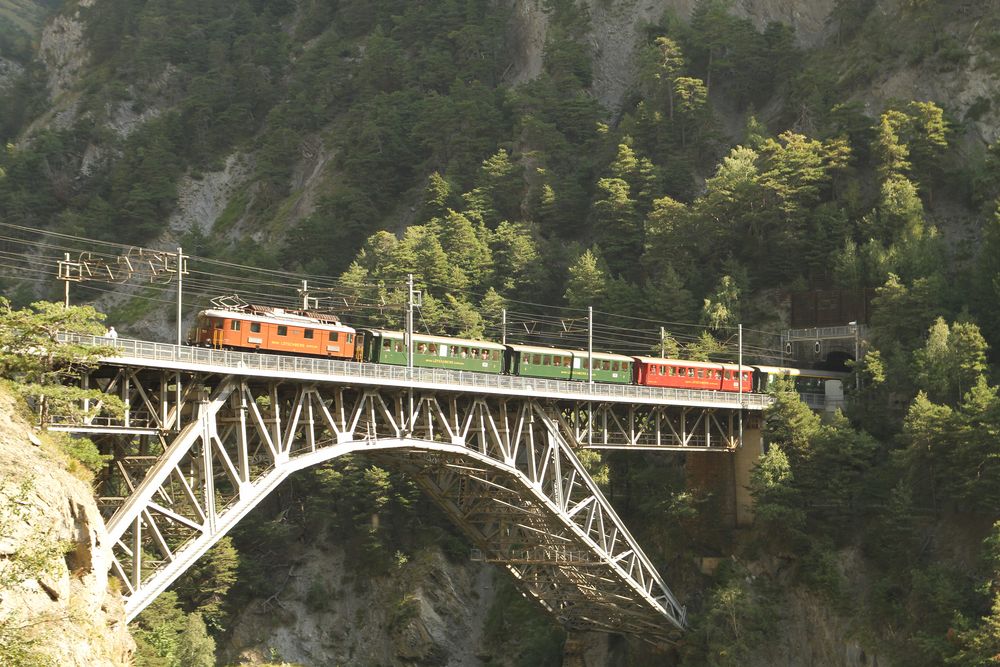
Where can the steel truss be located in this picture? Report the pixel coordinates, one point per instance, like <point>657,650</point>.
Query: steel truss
<point>638,426</point>
<point>195,452</point>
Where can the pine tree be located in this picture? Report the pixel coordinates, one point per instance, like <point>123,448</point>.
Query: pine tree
<point>587,282</point>
<point>195,648</point>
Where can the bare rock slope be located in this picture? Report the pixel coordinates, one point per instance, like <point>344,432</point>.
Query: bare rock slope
<point>54,598</point>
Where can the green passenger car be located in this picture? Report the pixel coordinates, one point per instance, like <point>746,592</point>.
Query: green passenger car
<point>540,362</point>
<point>460,354</point>
<point>613,368</point>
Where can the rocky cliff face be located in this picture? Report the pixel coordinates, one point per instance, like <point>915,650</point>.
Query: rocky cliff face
<point>427,611</point>
<point>618,29</point>
<point>54,597</point>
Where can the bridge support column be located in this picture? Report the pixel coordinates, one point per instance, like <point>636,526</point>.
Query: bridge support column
<point>727,478</point>
<point>744,460</point>
<point>713,473</point>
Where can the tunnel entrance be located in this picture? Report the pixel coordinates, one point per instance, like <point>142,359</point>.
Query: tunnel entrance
<point>836,361</point>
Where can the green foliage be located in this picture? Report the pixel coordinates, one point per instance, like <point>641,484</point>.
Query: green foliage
<point>42,367</point>
<point>587,282</point>
<point>157,632</point>
<point>195,647</point>
<point>951,362</point>
<point>947,450</point>
<point>203,588</point>
<point>738,618</point>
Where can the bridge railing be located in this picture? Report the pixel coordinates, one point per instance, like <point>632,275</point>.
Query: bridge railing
<point>250,362</point>
<point>824,333</point>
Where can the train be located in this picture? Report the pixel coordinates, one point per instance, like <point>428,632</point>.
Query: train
<point>302,332</point>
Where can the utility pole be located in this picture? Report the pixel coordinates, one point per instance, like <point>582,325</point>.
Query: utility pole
<point>663,342</point>
<point>590,344</point>
<point>740,385</point>
<point>857,355</point>
<point>503,326</point>
<point>305,294</point>
<point>180,296</point>
<point>409,322</point>
<point>66,297</point>
<point>590,373</point>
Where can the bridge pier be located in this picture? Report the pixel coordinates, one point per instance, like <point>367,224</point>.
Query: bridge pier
<point>727,478</point>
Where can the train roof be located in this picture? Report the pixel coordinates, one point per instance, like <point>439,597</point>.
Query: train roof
<point>804,372</point>
<point>607,355</point>
<point>541,349</point>
<point>443,340</point>
<point>278,315</point>
<point>690,364</point>
<point>581,354</point>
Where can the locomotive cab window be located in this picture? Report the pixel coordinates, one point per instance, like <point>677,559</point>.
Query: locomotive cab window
<point>234,325</point>
<point>255,327</point>
<point>282,330</point>
<point>350,338</point>
<point>307,333</point>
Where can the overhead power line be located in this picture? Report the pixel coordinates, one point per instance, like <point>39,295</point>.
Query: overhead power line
<point>34,255</point>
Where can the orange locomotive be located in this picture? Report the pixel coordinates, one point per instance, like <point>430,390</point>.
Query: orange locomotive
<point>275,330</point>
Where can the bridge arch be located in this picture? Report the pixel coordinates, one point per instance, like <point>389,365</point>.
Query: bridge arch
<point>502,468</point>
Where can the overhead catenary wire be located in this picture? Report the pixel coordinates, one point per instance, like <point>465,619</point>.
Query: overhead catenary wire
<point>370,303</point>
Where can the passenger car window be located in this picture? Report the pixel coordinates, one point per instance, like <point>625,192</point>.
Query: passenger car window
<point>334,336</point>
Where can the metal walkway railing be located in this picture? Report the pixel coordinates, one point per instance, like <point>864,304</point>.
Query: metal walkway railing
<point>182,357</point>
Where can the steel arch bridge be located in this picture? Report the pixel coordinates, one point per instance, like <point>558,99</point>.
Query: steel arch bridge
<point>206,435</point>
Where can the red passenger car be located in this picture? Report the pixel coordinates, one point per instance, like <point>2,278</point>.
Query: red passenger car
<point>679,374</point>
<point>274,330</point>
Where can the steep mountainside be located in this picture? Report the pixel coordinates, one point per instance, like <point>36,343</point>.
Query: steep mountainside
<point>671,163</point>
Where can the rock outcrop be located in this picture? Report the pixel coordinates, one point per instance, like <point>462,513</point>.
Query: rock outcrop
<point>54,597</point>
<point>428,611</point>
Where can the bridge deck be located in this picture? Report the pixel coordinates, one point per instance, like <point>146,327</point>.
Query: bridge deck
<point>185,358</point>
